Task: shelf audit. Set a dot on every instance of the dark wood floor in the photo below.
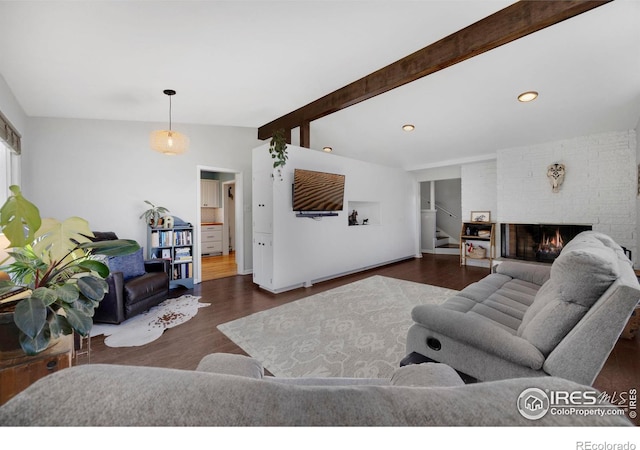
(182, 347)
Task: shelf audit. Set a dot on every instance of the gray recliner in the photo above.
(534, 320)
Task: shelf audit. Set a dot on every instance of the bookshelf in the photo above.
(175, 245)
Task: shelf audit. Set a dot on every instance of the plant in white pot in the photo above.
(56, 261)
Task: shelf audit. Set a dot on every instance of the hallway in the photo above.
(222, 266)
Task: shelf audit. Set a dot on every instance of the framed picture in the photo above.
(480, 216)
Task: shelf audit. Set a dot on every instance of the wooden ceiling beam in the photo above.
(305, 134)
(507, 25)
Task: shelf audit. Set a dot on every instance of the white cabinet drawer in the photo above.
(207, 228)
(211, 236)
(212, 247)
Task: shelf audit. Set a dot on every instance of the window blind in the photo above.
(9, 134)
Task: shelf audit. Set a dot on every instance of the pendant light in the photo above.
(169, 142)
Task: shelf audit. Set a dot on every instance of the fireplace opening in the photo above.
(537, 242)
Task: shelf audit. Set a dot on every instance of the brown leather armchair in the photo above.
(135, 285)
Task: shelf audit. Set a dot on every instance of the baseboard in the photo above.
(284, 289)
(362, 269)
(309, 283)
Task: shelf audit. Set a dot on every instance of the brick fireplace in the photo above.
(537, 242)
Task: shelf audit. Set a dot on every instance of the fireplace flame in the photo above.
(551, 244)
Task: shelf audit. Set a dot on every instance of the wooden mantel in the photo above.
(509, 24)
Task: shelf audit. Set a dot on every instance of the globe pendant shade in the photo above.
(169, 142)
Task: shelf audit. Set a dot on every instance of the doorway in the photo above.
(440, 209)
(220, 223)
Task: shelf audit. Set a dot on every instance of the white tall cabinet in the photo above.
(262, 201)
(263, 260)
(262, 194)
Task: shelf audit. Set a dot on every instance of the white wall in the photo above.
(479, 191)
(437, 173)
(307, 250)
(103, 171)
(600, 186)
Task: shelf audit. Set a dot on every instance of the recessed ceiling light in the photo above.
(408, 127)
(527, 96)
(327, 149)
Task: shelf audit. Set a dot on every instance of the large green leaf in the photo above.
(80, 321)
(115, 247)
(47, 296)
(92, 287)
(95, 266)
(55, 239)
(63, 324)
(85, 305)
(19, 219)
(67, 292)
(58, 325)
(30, 316)
(35, 345)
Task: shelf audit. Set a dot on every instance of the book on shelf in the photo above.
(183, 254)
(166, 253)
(184, 270)
(182, 237)
(161, 238)
(170, 237)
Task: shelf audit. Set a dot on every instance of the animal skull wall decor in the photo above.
(555, 173)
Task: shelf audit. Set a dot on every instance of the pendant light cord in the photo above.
(169, 113)
(169, 93)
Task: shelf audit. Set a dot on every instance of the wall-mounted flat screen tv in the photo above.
(317, 191)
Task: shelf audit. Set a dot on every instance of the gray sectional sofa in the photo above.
(231, 390)
(528, 320)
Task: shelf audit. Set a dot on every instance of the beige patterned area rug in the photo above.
(356, 330)
(149, 325)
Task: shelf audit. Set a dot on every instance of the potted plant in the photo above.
(278, 150)
(56, 261)
(153, 214)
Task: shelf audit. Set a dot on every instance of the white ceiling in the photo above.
(245, 63)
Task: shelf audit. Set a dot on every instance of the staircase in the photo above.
(444, 244)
